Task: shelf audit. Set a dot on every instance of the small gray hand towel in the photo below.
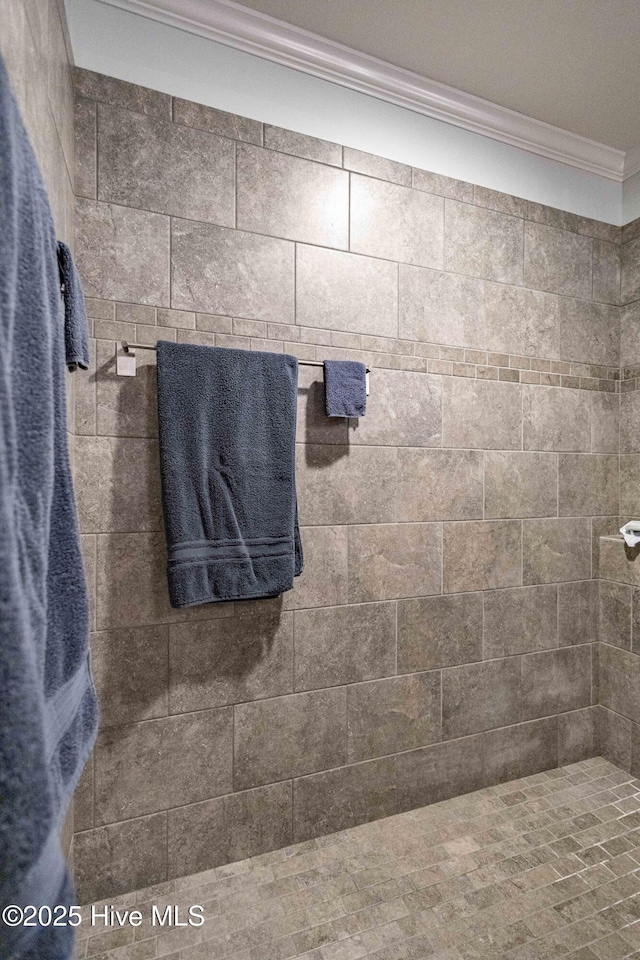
(345, 388)
(76, 334)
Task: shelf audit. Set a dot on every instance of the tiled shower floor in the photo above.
(543, 867)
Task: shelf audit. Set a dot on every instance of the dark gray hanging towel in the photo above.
(227, 423)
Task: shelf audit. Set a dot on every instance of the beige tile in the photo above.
(440, 771)
(387, 561)
(439, 485)
(403, 409)
(556, 550)
(556, 681)
(606, 271)
(481, 414)
(379, 167)
(342, 291)
(391, 715)
(288, 197)
(480, 696)
(216, 121)
(323, 581)
(131, 671)
(520, 484)
(521, 750)
(145, 767)
(396, 223)
(589, 332)
(122, 254)
(442, 186)
(441, 307)
(216, 662)
(98, 86)
(522, 322)
(301, 145)
(556, 419)
(289, 736)
(439, 631)
(520, 620)
(117, 483)
(344, 644)
(482, 555)
(557, 261)
(345, 484)
(587, 485)
(483, 243)
(158, 165)
(229, 272)
(338, 799)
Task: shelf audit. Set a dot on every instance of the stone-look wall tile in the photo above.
(126, 406)
(557, 261)
(441, 307)
(553, 217)
(587, 485)
(480, 696)
(483, 243)
(577, 736)
(216, 121)
(635, 750)
(605, 422)
(589, 332)
(403, 409)
(629, 484)
(630, 231)
(439, 485)
(523, 322)
(482, 555)
(615, 614)
(121, 857)
(620, 681)
(343, 798)
(146, 767)
(619, 563)
(521, 750)
(613, 737)
(83, 799)
(520, 620)
(89, 548)
(98, 86)
(520, 484)
(439, 632)
(438, 772)
(345, 484)
(481, 414)
(442, 186)
(118, 484)
(84, 396)
(629, 420)
(285, 196)
(247, 657)
(157, 165)
(630, 271)
(122, 254)
(599, 230)
(289, 736)
(556, 550)
(503, 202)
(556, 419)
(630, 334)
(556, 681)
(343, 291)
(392, 715)
(302, 145)
(323, 582)
(85, 132)
(396, 223)
(606, 272)
(577, 612)
(379, 167)
(394, 560)
(205, 835)
(229, 272)
(131, 671)
(345, 644)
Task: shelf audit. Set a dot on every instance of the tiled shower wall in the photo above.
(35, 47)
(442, 636)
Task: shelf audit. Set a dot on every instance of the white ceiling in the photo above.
(571, 63)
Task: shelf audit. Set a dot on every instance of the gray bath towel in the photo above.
(345, 388)
(227, 421)
(47, 701)
(76, 333)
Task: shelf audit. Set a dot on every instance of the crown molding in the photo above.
(256, 33)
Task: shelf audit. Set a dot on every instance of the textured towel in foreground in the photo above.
(345, 388)
(76, 332)
(227, 423)
(47, 701)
